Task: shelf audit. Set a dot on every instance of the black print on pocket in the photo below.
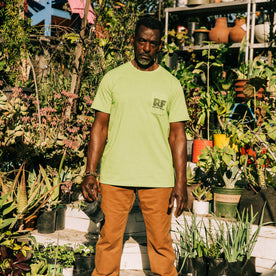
(160, 104)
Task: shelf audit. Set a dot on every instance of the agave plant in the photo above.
(25, 196)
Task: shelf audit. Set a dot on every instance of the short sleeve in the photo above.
(103, 99)
(177, 104)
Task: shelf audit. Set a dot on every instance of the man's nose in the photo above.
(147, 46)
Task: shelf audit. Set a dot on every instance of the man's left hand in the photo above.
(180, 194)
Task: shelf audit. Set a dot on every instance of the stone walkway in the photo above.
(134, 273)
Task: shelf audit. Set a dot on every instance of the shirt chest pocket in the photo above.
(159, 105)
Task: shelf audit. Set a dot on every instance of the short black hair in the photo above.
(149, 22)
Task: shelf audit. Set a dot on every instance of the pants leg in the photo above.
(116, 204)
(154, 206)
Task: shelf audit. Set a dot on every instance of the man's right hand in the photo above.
(89, 188)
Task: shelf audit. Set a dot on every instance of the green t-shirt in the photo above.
(141, 105)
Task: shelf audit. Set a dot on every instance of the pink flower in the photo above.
(57, 96)
(25, 119)
(87, 100)
(73, 129)
(71, 144)
(69, 94)
(16, 90)
(47, 110)
(54, 173)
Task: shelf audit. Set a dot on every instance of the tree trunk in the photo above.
(79, 59)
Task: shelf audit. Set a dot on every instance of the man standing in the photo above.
(139, 133)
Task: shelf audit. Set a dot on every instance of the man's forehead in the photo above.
(143, 31)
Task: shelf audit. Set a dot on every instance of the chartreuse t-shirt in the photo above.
(141, 105)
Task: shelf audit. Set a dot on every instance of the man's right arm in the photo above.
(96, 146)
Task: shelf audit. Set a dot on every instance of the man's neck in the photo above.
(152, 67)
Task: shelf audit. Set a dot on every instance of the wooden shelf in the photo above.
(204, 47)
(214, 8)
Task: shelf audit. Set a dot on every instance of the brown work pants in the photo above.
(116, 205)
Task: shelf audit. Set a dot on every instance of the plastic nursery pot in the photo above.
(198, 146)
(54, 269)
(223, 267)
(190, 150)
(60, 217)
(201, 35)
(67, 271)
(46, 222)
(249, 199)
(192, 266)
(221, 140)
(84, 265)
(226, 201)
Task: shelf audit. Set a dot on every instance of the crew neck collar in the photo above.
(144, 71)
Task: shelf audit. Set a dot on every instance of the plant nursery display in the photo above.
(47, 87)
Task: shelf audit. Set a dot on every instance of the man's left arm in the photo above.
(178, 144)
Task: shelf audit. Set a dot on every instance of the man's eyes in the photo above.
(153, 43)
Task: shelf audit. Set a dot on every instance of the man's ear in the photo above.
(160, 46)
(132, 40)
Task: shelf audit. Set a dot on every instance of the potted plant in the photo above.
(236, 241)
(202, 197)
(252, 78)
(222, 171)
(26, 193)
(60, 258)
(205, 116)
(66, 259)
(191, 247)
(258, 155)
(223, 102)
(84, 259)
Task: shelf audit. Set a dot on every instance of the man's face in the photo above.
(146, 45)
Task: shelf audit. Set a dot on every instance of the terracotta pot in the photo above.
(239, 85)
(237, 33)
(220, 33)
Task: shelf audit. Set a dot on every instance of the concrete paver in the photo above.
(128, 272)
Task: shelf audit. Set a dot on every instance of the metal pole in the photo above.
(166, 25)
(248, 30)
(252, 29)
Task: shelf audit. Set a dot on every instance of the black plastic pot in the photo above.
(257, 201)
(84, 265)
(192, 266)
(190, 150)
(46, 222)
(93, 211)
(201, 35)
(60, 217)
(219, 267)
